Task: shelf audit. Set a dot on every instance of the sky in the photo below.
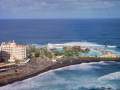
(59, 9)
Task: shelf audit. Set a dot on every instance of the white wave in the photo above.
(103, 63)
(111, 76)
(83, 44)
(91, 44)
(82, 66)
(109, 46)
(87, 66)
(99, 63)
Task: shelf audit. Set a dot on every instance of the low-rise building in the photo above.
(11, 51)
(109, 55)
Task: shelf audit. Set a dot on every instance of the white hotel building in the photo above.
(12, 51)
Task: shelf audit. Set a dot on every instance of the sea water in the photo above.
(102, 31)
(85, 76)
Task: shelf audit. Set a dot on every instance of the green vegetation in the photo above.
(33, 52)
(74, 51)
(109, 58)
(71, 53)
(43, 52)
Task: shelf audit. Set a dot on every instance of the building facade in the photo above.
(11, 51)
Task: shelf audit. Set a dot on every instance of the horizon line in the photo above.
(51, 18)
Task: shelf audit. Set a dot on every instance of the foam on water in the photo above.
(83, 43)
(86, 66)
(111, 76)
(109, 46)
(89, 44)
(83, 66)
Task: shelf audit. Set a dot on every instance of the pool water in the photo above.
(92, 53)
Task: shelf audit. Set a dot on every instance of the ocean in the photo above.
(56, 31)
(85, 76)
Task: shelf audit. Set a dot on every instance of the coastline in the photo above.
(37, 66)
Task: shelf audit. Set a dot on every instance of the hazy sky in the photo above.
(59, 8)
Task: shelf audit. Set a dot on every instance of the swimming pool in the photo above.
(92, 53)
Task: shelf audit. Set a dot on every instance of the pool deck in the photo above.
(39, 65)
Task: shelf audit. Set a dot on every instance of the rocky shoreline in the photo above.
(38, 65)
